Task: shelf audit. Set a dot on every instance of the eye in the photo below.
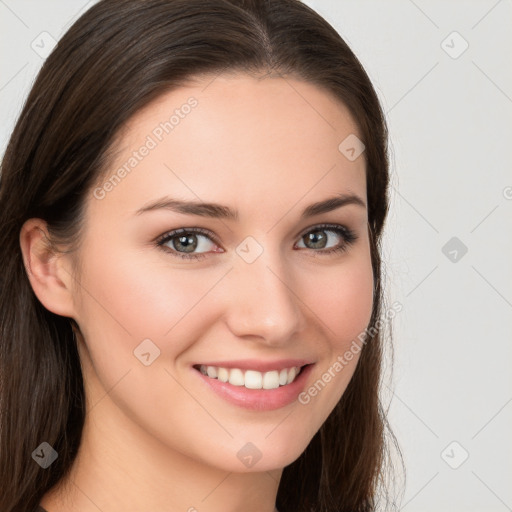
(318, 238)
(184, 241)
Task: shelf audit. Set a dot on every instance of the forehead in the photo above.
(238, 140)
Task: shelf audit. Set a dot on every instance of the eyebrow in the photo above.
(219, 211)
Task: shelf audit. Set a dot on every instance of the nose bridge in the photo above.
(264, 303)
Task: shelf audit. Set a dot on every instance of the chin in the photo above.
(261, 455)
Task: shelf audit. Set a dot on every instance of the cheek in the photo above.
(127, 298)
(128, 301)
(342, 299)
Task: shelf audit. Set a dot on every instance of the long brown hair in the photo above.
(117, 58)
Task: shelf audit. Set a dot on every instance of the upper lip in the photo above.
(258, 364)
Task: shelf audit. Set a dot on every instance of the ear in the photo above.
(50, 279)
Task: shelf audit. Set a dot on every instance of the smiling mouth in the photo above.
(252, 379)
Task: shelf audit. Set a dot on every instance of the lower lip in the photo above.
(258, 399)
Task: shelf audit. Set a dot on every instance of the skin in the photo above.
(155, 438)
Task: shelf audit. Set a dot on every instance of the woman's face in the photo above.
(249, 296)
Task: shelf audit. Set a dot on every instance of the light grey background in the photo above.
(449, 115)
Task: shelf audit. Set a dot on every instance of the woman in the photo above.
(192, 203)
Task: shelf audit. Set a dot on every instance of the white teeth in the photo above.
(271, 380)
(252, 379)
(236, 377)
(291, 375)
(222, 374)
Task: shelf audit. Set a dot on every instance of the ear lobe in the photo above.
(44, 265)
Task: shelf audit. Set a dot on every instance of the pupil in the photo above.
(319, 240)
(184, 240)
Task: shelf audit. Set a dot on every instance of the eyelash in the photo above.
(347, 234)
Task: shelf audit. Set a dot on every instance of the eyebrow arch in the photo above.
(219, 211)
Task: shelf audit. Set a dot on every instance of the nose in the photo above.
(262, 303)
